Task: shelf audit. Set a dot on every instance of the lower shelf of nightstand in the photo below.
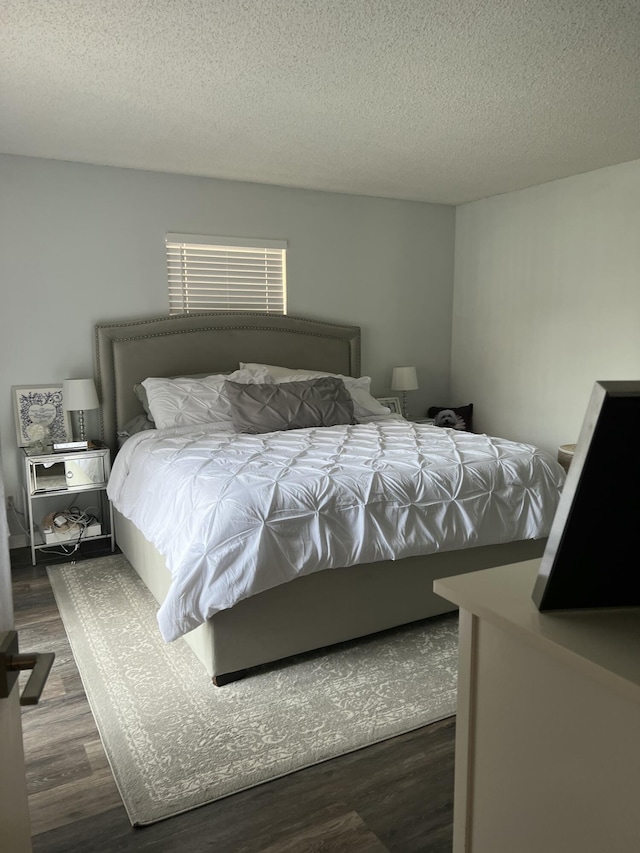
(40, 544)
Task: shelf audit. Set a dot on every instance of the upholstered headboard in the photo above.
(132, 350)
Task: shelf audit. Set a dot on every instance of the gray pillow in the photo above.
(267, 407)
(141, 393)
(138, 423)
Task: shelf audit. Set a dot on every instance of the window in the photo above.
(226, 274)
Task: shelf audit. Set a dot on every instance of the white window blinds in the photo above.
(226, 274)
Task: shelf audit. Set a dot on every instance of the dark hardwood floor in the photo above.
(395, 796)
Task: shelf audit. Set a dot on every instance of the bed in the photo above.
(314, 608)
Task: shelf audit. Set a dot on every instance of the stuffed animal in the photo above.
(448, 418)
(455, 417)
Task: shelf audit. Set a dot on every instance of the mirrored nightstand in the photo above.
(67, 499)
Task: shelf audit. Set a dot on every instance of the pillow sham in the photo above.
(185, 401)
(141, 392)
(269, 407)
(364, 403)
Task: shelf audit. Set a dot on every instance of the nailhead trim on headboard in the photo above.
(108, 335)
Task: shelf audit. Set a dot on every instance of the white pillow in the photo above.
(187, 400)
(363, 403)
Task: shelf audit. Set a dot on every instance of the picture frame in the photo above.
(40, 404)
(392, 402)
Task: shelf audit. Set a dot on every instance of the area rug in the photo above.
(176, 742)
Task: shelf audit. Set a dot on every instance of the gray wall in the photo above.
(81, 244)
(546, 302)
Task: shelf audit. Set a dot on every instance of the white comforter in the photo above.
(234, 515)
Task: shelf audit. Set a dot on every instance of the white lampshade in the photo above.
(79, 395)
(404, 379)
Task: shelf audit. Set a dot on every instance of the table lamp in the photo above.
(78, 395)
(404, 379)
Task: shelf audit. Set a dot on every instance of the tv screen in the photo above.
(591, 557)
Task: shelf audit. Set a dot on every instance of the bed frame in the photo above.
(311, 611)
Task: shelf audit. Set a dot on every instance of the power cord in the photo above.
(67, 520)
(18, 516)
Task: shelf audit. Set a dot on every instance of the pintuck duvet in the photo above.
(236, 514)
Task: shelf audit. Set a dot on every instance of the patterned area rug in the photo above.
(175, 742)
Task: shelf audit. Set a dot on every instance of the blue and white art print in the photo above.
(40, 415)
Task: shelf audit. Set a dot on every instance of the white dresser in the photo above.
(548, 721)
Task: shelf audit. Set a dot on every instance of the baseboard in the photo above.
(18, 540)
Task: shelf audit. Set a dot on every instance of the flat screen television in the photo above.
(592, 556)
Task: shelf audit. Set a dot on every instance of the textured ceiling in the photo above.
(434, 100)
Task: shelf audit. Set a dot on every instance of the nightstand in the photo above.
(56, 482)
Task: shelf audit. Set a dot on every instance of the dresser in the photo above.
(548, 721)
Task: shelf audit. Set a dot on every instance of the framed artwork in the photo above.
(36, 407)
(392, 402)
